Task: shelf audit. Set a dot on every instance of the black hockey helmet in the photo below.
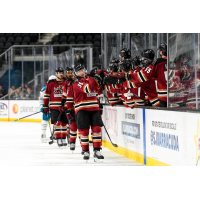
(146, 62)
(78, 67)
(126, 53)
(126, 65)
(163, 47)
(148, 53)
(59, 69)
(114, 60)
(136, 60)
(68, 68)
(114, 66)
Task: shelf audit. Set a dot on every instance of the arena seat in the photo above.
(33, 37)
(9, 35)
(63, 38)
(80, 42)
(80, 38)
(16, 34)
(7, 45)
(16, 43)
(55, 38)
(18, 39)
(71, 38)
(72, 42)
(3, 40)
(88, 42)
(97, 44)
(26, 39)
(10, 39)
(97, 37)
(88, 37)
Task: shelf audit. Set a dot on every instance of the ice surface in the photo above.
(20, 145)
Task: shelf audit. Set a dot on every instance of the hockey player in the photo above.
(127, 89)
(112, 92)
(82, 92)
(45, 118)
(125, 54)
(143, 78)
(52, 97)
(69, 109)
(69, 77)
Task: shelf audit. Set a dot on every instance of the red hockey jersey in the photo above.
(148, 87)
(64, 95)
(113, 97)
(83, 94)
(53, 94)
(157, 71)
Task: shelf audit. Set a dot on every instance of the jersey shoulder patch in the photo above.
(154, 62)
(50, 81)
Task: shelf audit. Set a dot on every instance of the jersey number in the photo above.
(148, 70)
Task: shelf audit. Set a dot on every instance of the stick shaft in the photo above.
(27, 116)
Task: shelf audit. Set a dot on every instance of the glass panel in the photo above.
(151, 42)
(28, 73)
(137, 43)
(182, 71)
(111, 46)
(45, 65)
(39, 62)
(16, 73)
(80, 56)
(4, 77)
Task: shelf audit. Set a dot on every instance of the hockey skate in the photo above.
(59, 142)
(86, 156)
(97, 156)
(72, 147)
(44, 139)
(64, 143)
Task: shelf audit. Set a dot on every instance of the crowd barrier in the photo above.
(11, 110)
(151, 137)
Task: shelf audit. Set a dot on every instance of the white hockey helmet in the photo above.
(52, 77)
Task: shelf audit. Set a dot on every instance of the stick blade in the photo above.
(115, 145)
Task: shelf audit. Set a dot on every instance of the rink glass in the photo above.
(29, 66)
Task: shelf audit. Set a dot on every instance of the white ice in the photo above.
(20, 145)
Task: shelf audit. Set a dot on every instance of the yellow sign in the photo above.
(197, 143)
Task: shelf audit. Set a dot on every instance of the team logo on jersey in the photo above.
(58, 91)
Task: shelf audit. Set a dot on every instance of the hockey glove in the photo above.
(45, 109)
(61, 109)
(69, 115)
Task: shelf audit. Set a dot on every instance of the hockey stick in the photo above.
(115, 145)
(51, 142)
(26, 116)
